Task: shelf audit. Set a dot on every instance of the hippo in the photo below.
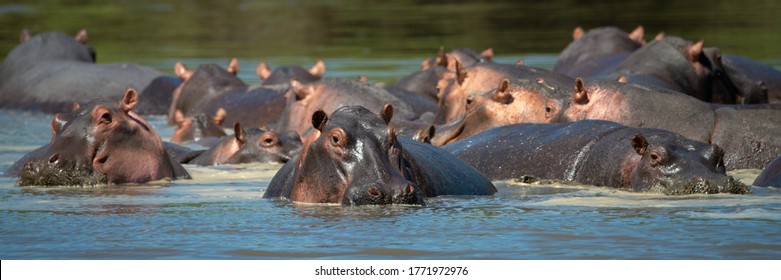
(679, 65)
(749, 136)
(771, 175)
(466, 56)
(103, 142)
(283, 74)
(211, 88)
(769, 77)
(200, 128)
(423, 82)
(598, 51)
(457, 86)
(354, 157)
(49, 71)
(731, 85)
(521, 101)
(329, 94)
(246, 146)
(600, 153)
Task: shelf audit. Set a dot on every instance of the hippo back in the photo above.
(771, 175)
(441, 173)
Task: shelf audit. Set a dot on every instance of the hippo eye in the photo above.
(373, 191)
(337, 138)
(268, 140)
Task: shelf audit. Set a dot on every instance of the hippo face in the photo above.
(732, 86)
(666, 164)
(200, 126)
(353, 158)
(101, 142)
(251, 145)
(465, 56)
(283, 74)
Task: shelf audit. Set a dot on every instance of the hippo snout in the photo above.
(700, 185)
(379, 194)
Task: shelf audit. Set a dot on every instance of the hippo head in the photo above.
(665, 163)
(522, 102)
(732, 86)
(49, 46)
(283, 74)
(252, 145)
(353, 158)
(194, 128)
(100, 142)
(465, 56)
(206, 80)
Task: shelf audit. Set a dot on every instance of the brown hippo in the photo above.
(283, 74)
(771, 175)
(679, 65)
(599, 153)
(480, 78)
(598, 51)
(520, 101)
(769, 77)
(353, 157)
(211, 88)
(198, 128)
(731, 85)
(465, 56)
(103, 142)
(750, 137)
(246, 146)
(51, 70)
(329, 94)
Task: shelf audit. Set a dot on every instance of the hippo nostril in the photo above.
(373, 191)
(409, 189)
(55, 158)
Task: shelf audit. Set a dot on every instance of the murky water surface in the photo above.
(220, 213)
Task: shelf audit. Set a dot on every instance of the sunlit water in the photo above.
(220, 215)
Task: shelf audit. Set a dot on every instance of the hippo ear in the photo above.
(75, 106)
(577, 33)
(263, 71)
(57, 123)
(219, 116)
(301, 90)
(318, 70)
(659, 36)
(519, 62)
(441, 57)
(639, 143)
(581, 95)
(637, 34)
(488, 54)
(179, 118)
(233, 66)
(24, 35)
(622, 79)
(81, 37)
(239, 133)
(502, 94)
(181, 71)
(460, 73)
(363, 79)
(694, 51)
(319, 118)
(387, 113)
(129, 101)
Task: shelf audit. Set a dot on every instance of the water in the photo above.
(220, 213)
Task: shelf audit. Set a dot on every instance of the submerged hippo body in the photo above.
(51, 71)
(599, 153)
(771, 175)
(102, 142)
(246, 146)
(758, 72)
(598, 51)
(353, 157)
(211, 88)
(329, 94)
